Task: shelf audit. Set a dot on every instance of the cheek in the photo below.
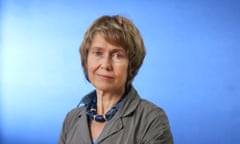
(123, 71)
(90, 64)
(89, 68)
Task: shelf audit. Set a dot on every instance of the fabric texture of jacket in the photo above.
(137, 121)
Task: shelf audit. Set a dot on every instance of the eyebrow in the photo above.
(112, 50)
(118, 50)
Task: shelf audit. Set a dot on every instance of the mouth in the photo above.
(105, 77)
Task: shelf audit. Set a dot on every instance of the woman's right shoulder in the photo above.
(75, 112)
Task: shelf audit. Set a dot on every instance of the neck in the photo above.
(105, 101)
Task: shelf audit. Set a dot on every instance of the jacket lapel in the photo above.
(116, 124)
(111, 128)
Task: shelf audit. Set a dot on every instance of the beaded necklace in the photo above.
(92, 111)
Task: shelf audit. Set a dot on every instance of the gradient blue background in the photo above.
(192, 67)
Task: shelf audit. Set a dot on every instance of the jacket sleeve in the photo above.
(157, 130)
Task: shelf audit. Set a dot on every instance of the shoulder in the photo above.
(155, 126)
(73, 115)
(150, 107)
(141, 107)
(75, 112)
(70, 121)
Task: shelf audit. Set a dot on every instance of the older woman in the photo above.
(112, 52)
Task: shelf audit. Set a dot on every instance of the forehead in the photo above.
(100, 42)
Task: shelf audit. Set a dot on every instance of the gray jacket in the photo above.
(136, 122)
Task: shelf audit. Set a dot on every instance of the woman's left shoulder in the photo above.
(150, 108)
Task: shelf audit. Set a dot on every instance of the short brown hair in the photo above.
(118, 31)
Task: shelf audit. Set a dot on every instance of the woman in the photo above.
(112, 52)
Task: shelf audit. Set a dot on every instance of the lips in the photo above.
(105, 77)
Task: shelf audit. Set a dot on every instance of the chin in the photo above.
(104, 87)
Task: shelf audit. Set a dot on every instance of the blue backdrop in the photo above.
(192, 68)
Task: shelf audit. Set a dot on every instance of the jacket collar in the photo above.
(130, 102)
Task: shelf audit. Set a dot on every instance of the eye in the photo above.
(118, 55)
(98, 53)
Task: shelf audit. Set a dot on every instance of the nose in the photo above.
(106, 63)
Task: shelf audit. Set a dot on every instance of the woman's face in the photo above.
(107, 65)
